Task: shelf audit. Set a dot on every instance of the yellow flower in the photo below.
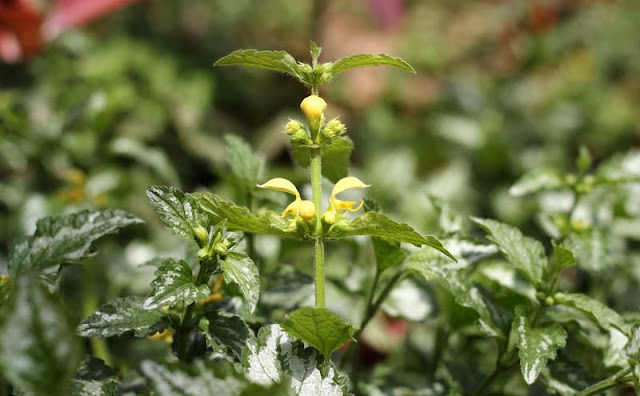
(303, 208)
(344, 184)
(313, 106)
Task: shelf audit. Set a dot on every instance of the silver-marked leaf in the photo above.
(632, 349)
(179, 211)
(524, 253)
(120, 316)
(335, 156)
(621, 168)
(38, 351)
(604, 316)
(240, 218)
(536, 345)
(240, 269)
(319, 328)
(378, 225)
(94, 378)
(279, 61)
(225, 331)
(590, 249)
(174, 284)
(538, 180)
(243, 162)
(361, 60)
(66, 239)
(566, 378)
(273, 357)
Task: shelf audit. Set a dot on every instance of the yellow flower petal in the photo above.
(292, 208)
(313, 106)
(344, 184)
(280, 184)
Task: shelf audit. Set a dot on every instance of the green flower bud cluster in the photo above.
(334, 128)
(211, 245)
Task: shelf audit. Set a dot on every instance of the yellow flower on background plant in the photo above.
(303, 208)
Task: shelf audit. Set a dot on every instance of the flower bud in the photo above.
(313, 107)
(202, 236)
(307, 210)
(204, 254)
(329, 217)
(220, 248)
(294, 128)
(334, 128)
(549, 301)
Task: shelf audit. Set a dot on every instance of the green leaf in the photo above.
(604, 316)
(566, 378)
(562, 258)
(319, 328)
(361, 60)
(94, 378)
(38, 352)
(538, 180)
(524, 253)
(244, 163)
(335, 156)
(225, 331)
(66, 239)
(590, 248)
(174, 285)
(632, 349)
(378, 225)
(536, 345)
(388, 254)
(584, 160)
(279, 61)
(636, 378)
(240, 218)
(173, 380)
(621, 168)
(122, 315)
(239, 268)
(153, 158)
(273, 357)
(179, 211)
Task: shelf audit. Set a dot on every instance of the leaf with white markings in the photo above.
(120, 316)
(225, 331)
(179, 211)
(538, 180)
(524, 253)
(590, 248)
(38, 352)
(240, 269)
(174, 285)
(536, 345)
(604, 316)
(66, 239)
(94, 378)
(319, 328)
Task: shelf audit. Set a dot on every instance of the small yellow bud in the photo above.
(549, 301)
(558, 297)
(220, 248)
(202, 236)
(307, 210)
(329, 217)
(313, 106)
(294, 127)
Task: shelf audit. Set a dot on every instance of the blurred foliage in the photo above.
(502, 89)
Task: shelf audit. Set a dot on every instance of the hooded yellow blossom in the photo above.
(344, 184)
(303, 208)
(313, 106)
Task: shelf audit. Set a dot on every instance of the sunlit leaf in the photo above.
(240, 269)
(174, 284)
(179, 211)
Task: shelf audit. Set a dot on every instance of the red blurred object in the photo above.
(24, 29)
(542, 17)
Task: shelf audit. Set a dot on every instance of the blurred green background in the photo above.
(131, 100)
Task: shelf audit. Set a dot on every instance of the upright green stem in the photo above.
(316, 186)
(182, 333)
(99, 346)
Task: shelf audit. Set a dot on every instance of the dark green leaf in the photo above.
(378, 225)
(239, 268)
(66, 239)
(174, 285)
(335, 155)
(225, 331)
(38, 352)
(179, 211)
(562, 258)
(244, 163)
(567, 378)
(604, 316)
(361, 60)
(94, 378)
(319, 328)
(388, 254)
(536, 345)
(241, 219)
(122, 315)
(524, 253)
(538, 180)
(280, 61)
